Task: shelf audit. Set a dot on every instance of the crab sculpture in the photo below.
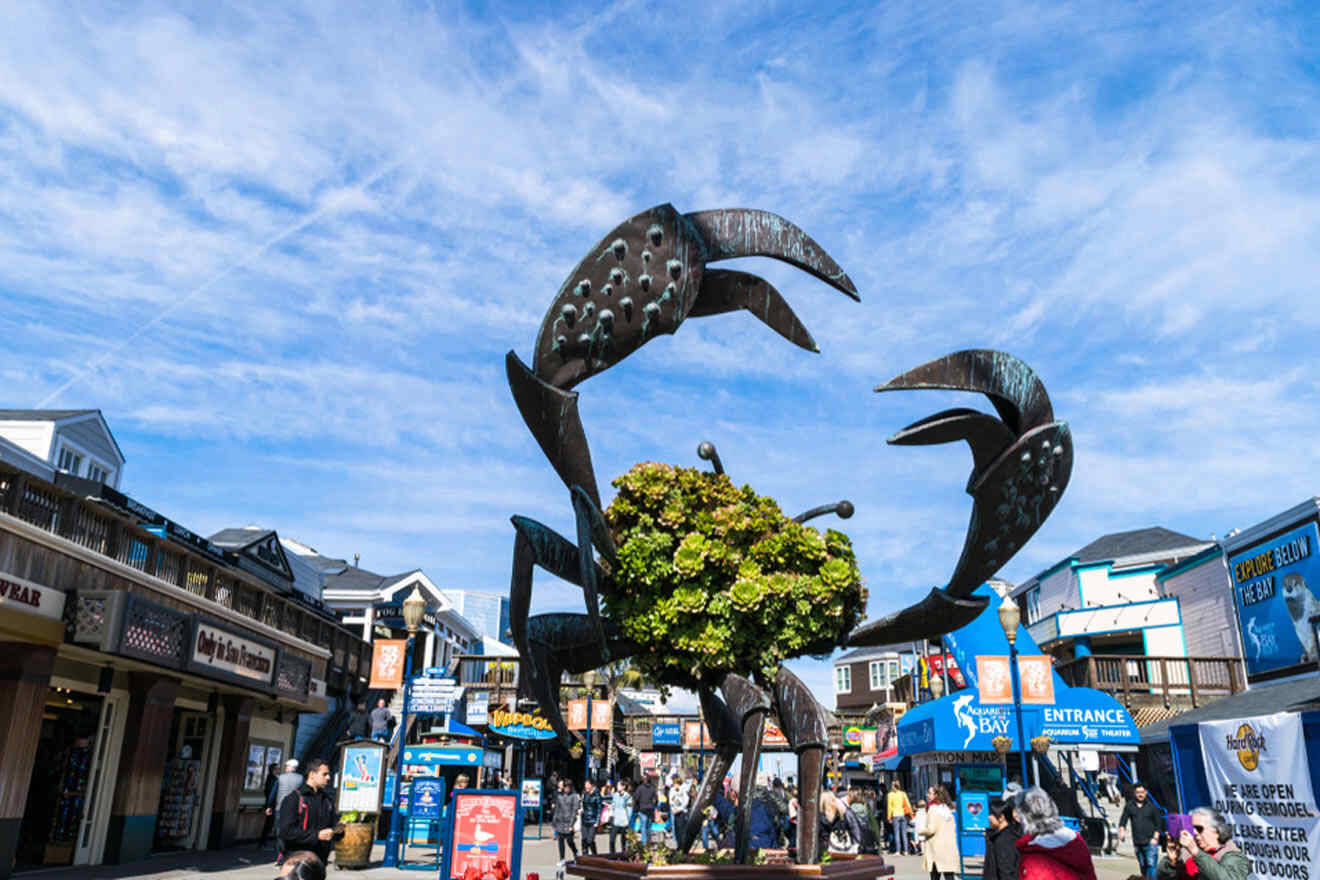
(642, 280)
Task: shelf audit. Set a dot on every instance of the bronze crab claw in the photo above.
(1021, 464)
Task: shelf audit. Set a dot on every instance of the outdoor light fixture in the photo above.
(413, 609)
(1009, 618)
(936, 687)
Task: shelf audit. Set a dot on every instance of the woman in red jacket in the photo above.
(1048, 849)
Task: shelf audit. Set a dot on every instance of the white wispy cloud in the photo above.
(298, 240)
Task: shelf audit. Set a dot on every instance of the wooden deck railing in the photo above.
(1201, 678)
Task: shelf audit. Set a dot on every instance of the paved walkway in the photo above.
(539, 856)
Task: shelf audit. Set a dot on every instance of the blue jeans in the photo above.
(709, 836)
(382, 735)
(645, 830)
(1148, 857)
(901, 844)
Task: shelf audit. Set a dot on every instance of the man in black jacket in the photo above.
(1144, 818)
(644, 802)
(359, 725)
(1001, 854)
(307, 817)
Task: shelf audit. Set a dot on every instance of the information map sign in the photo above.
(427, 798)
(484, 829)
(361, 770)
(1260, 781)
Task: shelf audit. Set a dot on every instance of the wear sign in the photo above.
(1260, 780)
(483, 830)
(27, 596)
(387, 664)
(1274, 586)
(215, 648)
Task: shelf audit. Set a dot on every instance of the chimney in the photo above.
(356, 557)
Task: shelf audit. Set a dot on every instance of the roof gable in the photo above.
(261, 546)
(1138, 542)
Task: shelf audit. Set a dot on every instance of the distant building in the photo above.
(260, 551)
(489, 612)
(68, 441)
(866, 677)
(374, 602)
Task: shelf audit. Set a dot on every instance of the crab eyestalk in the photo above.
(843, 508)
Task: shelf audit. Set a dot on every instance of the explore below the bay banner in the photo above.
(520, 725)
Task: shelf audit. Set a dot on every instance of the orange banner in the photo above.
(1036, 678)
(577, 714)
(692, 736)
(993, 680)
(387, 664)
(868, 740)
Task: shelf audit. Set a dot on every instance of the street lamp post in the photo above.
(414, 607)
(1009, 618)
(587, 774)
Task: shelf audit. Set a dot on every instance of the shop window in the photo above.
(96, 473)
(264, 757)
(843, 679)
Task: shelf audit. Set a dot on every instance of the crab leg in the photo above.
(562, 643)
(806, 731)
(728, 740)
(749, 705)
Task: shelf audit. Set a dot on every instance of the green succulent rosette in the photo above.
(713, 579)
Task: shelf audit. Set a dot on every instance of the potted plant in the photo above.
(353, 838)
(1040, 744)
(1002, 744)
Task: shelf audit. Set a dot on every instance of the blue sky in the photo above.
(285, 251)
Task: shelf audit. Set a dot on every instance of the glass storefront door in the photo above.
(182, 784)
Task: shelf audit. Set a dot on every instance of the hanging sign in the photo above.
(994, 681)
(478, 708)
(387, 664)
(520, 725)
(694, 737)
(1036, 679)
(430, 756)
(361, 766)
(485, 834)
(1259, 779)
(868, 740)
(1274, 586)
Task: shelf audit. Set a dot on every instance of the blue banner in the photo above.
(666, 734)
(1274, 585)
(466, 756)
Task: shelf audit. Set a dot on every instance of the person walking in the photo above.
(1143, 817)
(567, 806)
(644, 804)
(918, 826)
(939, 856)
(271, 788)
(1001, 855)
(381, 719)
(898, 810)
(1048, 849)
(288, 782)
(621, 813)
(680, 799)
(308, 816)
(1207, 854)
(359, 723)
(591, 803)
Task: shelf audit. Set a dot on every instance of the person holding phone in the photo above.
(1207, 852)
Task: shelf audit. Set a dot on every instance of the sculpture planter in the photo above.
(840, 867)
(353, 850)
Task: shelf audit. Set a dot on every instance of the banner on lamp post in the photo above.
(1259, 779)
(1036, 679)
(387, 664)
